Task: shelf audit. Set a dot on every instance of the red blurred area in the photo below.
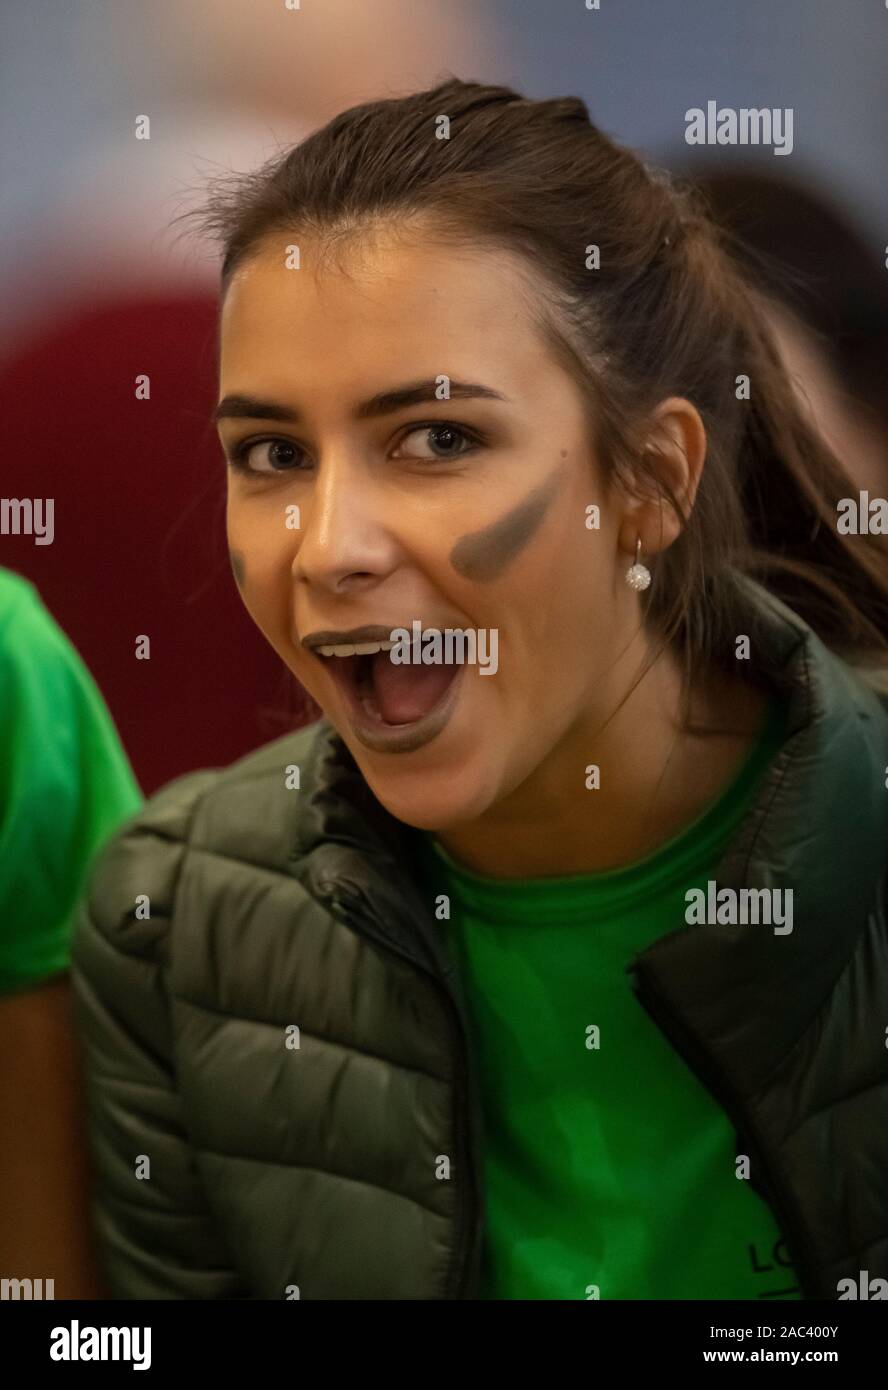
(139, 545)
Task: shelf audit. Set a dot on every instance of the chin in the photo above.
(423, 813)
(430, 799)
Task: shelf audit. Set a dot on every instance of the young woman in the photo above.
(552, 965)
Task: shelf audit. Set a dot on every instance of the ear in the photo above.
(674, 452)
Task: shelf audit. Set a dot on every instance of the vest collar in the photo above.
(743, 995)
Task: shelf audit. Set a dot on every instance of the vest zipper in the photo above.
(346, 900)
(769, 1189)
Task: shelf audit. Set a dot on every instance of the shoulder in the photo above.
(248, 812)
(55, 723)
(16, 592)
(23, 613)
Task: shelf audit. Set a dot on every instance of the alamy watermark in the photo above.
(458, 646)
(28, 516)
(26, 1289)
(862, 515)
(743, 125)
(733, 907)
(875, 1289)
(76, 1343)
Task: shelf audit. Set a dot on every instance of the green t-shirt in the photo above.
(65, 785)
(608, 1166)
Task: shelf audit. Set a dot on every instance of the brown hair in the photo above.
(668, 312)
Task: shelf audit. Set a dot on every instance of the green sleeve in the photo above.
(65, 785)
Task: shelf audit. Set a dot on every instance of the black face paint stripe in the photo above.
(484, 555)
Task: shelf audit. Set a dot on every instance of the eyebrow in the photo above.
(238, 407)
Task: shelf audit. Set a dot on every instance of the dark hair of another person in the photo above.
(813, 261)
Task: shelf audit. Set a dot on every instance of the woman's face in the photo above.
(374, 501)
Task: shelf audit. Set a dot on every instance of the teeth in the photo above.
(357, 649)
(371, 648)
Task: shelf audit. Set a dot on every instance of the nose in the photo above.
(345, 540)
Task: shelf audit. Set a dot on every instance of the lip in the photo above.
(393, 738)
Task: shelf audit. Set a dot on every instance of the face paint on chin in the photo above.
(484, 555)
(238, 567)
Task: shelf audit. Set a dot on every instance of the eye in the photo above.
(266, 456)
(442, 437)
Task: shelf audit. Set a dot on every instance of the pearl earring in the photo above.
(638, 576)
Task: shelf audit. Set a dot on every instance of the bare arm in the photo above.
(45, 1229)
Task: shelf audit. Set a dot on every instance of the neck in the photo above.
(655, 775)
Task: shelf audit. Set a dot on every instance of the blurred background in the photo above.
(96, 288)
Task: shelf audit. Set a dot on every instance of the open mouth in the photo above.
(386, 693)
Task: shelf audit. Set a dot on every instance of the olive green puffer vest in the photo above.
(276, 1045)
